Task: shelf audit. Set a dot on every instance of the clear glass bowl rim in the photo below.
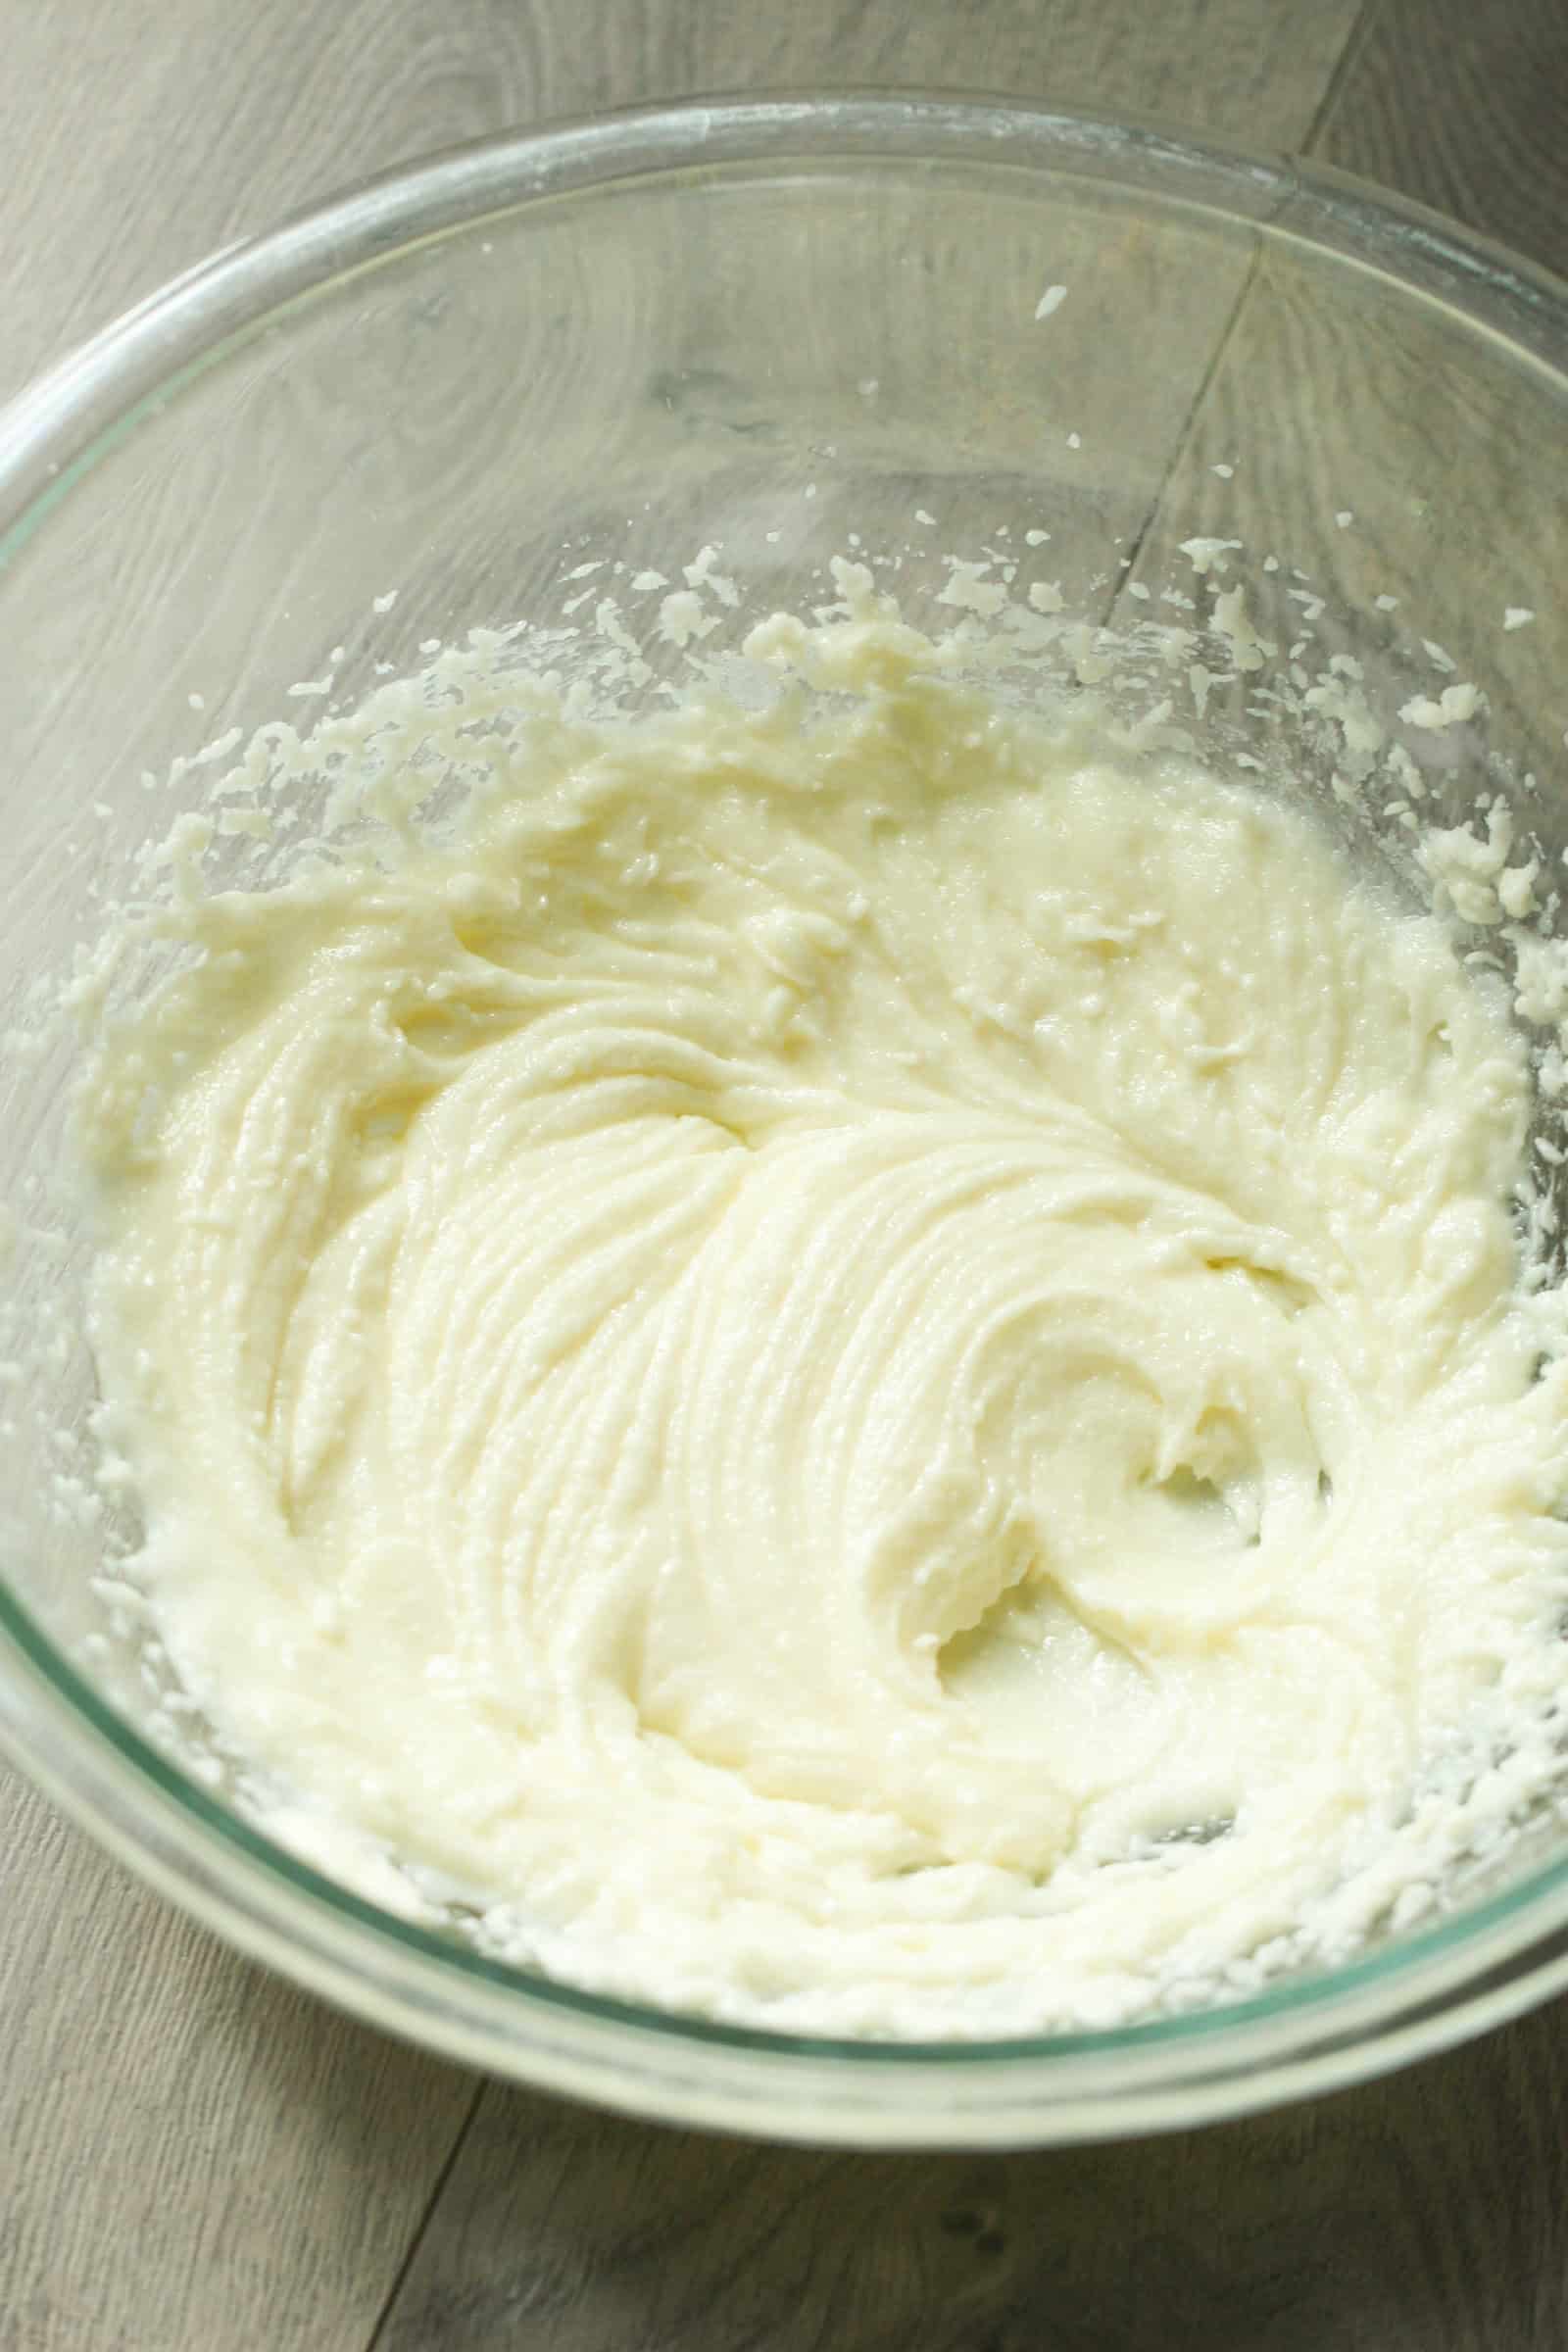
(1470, 1971)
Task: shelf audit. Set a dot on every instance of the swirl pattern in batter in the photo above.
(866, 1371)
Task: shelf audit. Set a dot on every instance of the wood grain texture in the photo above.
(139, 137)
(1421, 2215)
(190, 2154)
(1465, 106)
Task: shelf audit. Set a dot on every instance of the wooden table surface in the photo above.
(192, 2156)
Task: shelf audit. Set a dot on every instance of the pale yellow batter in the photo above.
(868, 1374)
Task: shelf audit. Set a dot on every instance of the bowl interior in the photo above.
(511, 387)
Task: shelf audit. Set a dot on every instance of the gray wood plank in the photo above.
(1421, 2215)
(139, 137)
(1466, 107)
(190, 2153)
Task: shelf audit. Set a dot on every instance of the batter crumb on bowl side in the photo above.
(874, 1352)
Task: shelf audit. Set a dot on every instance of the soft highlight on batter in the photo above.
(863, 1369)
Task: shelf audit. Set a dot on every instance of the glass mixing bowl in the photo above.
(763, 325)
